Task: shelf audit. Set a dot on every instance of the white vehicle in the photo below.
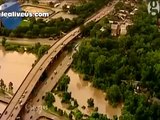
(20, 101)
(16, 107)
(56, 5)
(11, 115)
(26, 91)
(55, 72)
(23, 96)
(21, 104)
(18, 118)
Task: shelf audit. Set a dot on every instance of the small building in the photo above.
(115, 29)
(111, 22)
(123, 29)
(102, 29)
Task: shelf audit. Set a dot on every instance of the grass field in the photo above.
(25, 23)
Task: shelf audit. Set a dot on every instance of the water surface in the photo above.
(82, 91)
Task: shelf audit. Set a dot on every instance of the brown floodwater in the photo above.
(82, 90)
(14, 67)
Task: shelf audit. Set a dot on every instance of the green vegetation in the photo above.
(66, 96)
(134, 57)
(25, 23)
(39, 28)
(57, 112)
(3, 41)
(49, 99)
(97, 116)
(114, 94)
(1, 2)
(101, 29)
(90, 102)
(63, 84)
(87, 7)
(55, 27)
(37, 49)
(4, 89)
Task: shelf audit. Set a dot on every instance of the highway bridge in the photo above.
(25, 89)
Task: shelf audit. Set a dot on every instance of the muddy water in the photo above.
(14, 67)
(82, 90)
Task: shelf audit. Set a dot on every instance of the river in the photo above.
(14, 67)
(82, 90)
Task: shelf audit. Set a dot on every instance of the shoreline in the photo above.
(28, 41)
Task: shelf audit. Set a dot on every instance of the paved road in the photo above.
(34, 75)
(47, 87)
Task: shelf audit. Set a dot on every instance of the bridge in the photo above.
(20, 97)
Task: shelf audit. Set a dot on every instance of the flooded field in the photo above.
(14, 67)
(82, 90)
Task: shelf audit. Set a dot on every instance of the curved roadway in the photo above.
(33, 76)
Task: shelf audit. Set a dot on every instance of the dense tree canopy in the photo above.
(40, 28)
(134, 57)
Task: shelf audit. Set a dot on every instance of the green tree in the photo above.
(49, 99)
(114, 95)
(78, 115)
(63, 84)
(42, 50)
(1, 2)
(100, 66)
(66, 97)
(4, 41)
(90, 102)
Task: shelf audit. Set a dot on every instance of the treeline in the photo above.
(55, 27)
(108, 61)
(87, 8)
(37, 49)
(1, 2)
(41, 28)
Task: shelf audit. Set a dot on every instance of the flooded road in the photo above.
(82, 91)
(14, 67)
